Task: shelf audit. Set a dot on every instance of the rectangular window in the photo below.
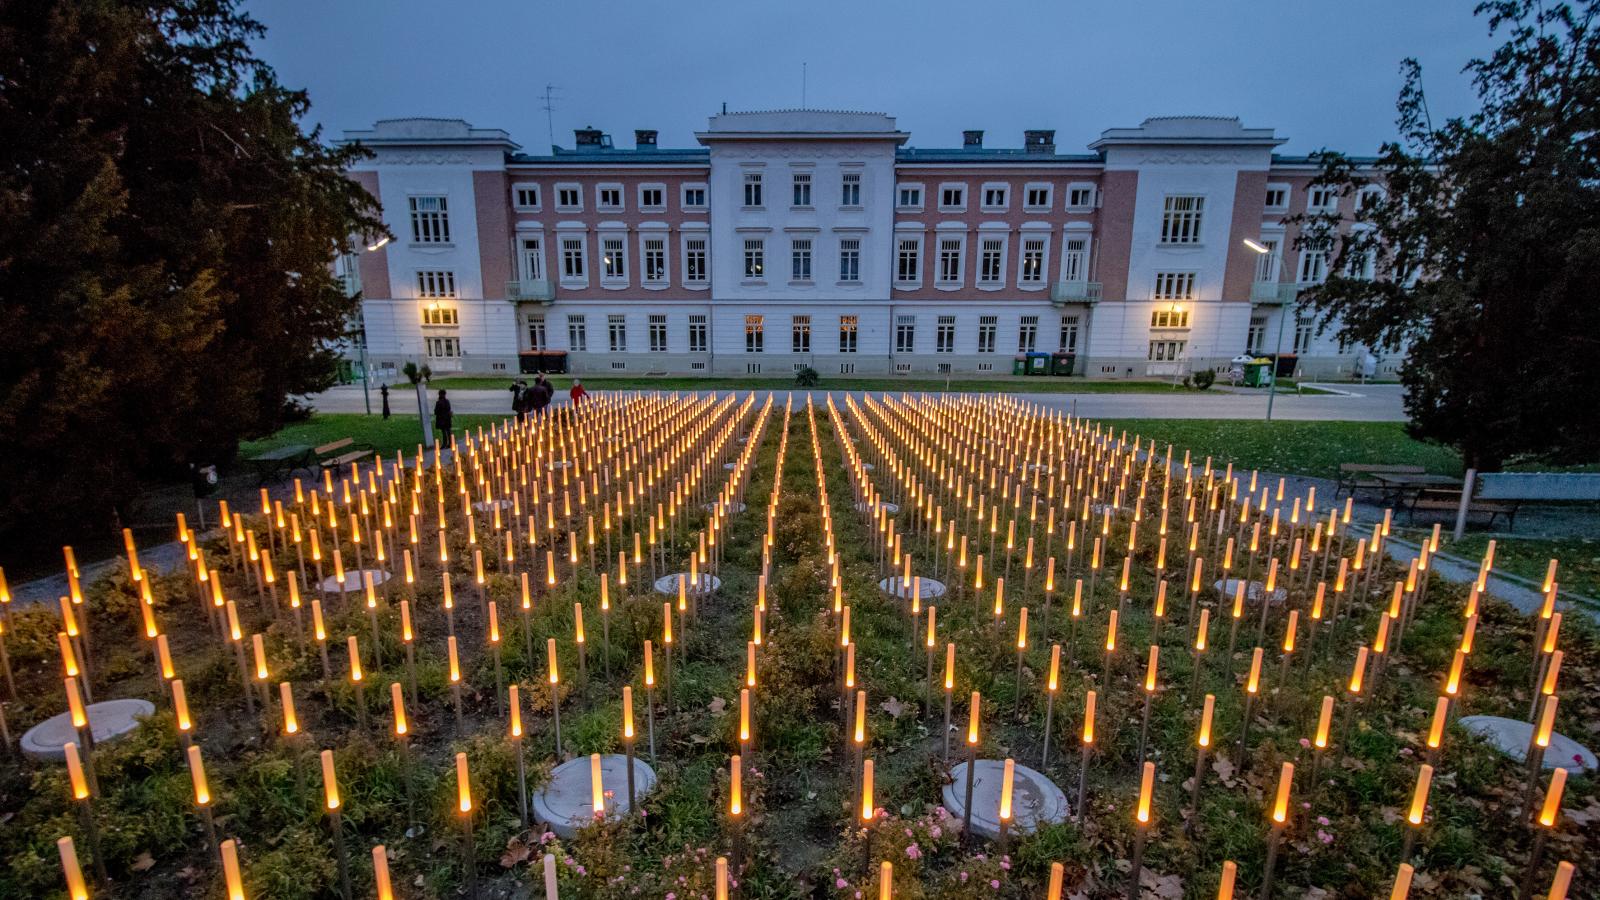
(652, 196)
(1068, 342)
(754, 339)
(525, 196)
(1027, 334)
(614, 263)
(1321, 200)
(1313, 266)
(1173, 286)
(952, 197)
(847, 334)
(801, 334)
(569, 198)
(577, 333)
(754, 258)
(1033, 261)
(1037, 197)
(434, 314)
(1359, 264)
(655, 260)
(694, 197)
(1080, 197)
(991, 261)
(617, 333)
(443, 347)
(572, 259)
(1267, 263)
(430, 220)
(658, 333)
(905, 334)
(532, 260)
(1166, 351)
(800, 259)
(910, 197)
(945, 336)
(1181, 219)
(537, 338)
(802, 189)
(950, 260)
(698, 337)
(987, 326)
(436, 285)
(694, 260)
(752, 189)
(1277, 196)
(908, 261)
(610, 196)
(850, 189)
(1075, 260)
(850, 260)
(1256, 337)
(994, 197)
(1305, 329)
(1169, 318)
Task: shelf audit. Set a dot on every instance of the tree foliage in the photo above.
(1475, 245)
(166, 236)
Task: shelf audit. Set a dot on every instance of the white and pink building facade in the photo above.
(796, 238)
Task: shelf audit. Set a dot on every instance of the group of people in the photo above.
(525, 398)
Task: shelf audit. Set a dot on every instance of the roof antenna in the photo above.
(549, 120)
(802, 85)
(724, 107)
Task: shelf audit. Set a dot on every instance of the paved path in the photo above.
(1356, 403)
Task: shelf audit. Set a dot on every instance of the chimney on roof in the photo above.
(591, 138)
(972, 140)
(644, 138)
(1039, 141)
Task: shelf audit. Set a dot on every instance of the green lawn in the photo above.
(1296, 448)
(385, 436)
(1004, 384)
(1578, 572)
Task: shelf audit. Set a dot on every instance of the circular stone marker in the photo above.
(895, 586)
(1253, 591)
(488, 505)
(730, 466)
(733, 508)
(560, 463)
(353, 581)
(890, 508)
(108, 721)
(1034, 798)
(868, 466)
(668, 584)
(1512, 737)
(566, 804)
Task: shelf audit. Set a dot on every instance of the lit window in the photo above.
(1169, 318)
(801, 334)
(754, 339)
(847, 334)
(754, 258)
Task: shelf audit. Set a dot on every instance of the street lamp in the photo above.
(1277, 350)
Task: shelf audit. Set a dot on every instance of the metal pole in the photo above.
(1272, 383)
(1466, 502)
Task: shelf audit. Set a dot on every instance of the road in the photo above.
(1355, 403)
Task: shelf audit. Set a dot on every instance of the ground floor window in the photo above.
(658, 333)
(443, 347)
(698, 333)
(754, 335)
(1166, 351)
(1069, 334)
(537, 339)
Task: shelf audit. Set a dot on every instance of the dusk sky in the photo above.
(1321, 74)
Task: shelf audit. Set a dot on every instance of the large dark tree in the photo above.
(166, 234)
(1484, 246)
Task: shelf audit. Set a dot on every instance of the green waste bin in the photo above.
(1019, 366)
(1062, 363)
(1257, 374)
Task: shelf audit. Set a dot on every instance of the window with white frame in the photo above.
(1027, 334)
(694, 196)
(613, 259)
(1075, 259)
(1267, 263)
(531, 261)
(752, 189)
(1256, 336)
(987, 326)
(801, 186)
(850, 260)
(755, 262)
(655, 260)
(1068, 342)
(430, 219)
(569, 198)
(1036, 198)
(572, 259)
(1360, 263)
(1277, 197)
(944, 337)
(1313, 265)
(1181, 217)
(537, 337)
(847, 333)
(800, 259)
(617, 332)
(1032, 261)
(1369, 197)
(1080, 196)
(950, 260)
(436, 284)
(525, 197)
(1173, 286)
(850, 189)
(443, 347)
(1169, 318)
(905, 334)
(952, 197)
(754, 339)
(699, 334)
(991, 260)
(608, 197)
(996, 197)
(1166, 351)
(1305, 330)
(436, 315)
(694, 260)
(652, 197)
(577, 333)
(908, 260)
(658, 333)
(908, 197)
(800, 334)
(1321, 200)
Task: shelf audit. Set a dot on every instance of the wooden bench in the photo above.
(1448, 501)
(341, 453)
(1360, 476)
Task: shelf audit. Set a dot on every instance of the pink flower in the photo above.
(1305, 743)
(840, 883)
(994, 884)
(547, 837)
(963, 878)
(1323, 820)
(935, 832)
(1005, 864)
(1324, 837)
(1405, 751)
(914, 852)
(671, 896)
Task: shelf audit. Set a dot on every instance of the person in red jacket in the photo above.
(577, 393)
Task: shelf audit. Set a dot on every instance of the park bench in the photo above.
(1447, 501)
(341, 453)
(1365, 476)
(1501, 494)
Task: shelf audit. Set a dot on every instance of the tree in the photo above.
(1475, 245)
(167, 231)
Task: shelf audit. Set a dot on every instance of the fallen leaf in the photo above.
(516, 852)
(893, 707)
(1167, 887)
(143, 862)
(1224, 770)
(717, 705)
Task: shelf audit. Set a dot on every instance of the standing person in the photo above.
(537, 399)
(577, 393)
(384, 391)
(441, 419)
(519, 403)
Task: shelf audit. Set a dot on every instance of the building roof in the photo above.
(424, 131)
(992, 156)
(612, 156)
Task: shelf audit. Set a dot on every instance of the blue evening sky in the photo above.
(1323, 74)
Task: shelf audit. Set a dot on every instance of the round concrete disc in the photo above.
(108, 721)
(1511, 737)
(353, 581)
(733, 508)
(894, 586)
(1034, 798)
(668, 584)
(890, 508)
(1253, 591)
(566, 804)
(489, 505)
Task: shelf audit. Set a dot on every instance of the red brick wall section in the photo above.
(1115, 237)
(1250, 191)
(374, 266)
(492, 200)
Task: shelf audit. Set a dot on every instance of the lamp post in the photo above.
(1283, 315)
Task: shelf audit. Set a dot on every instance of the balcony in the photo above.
(529, 291)
(1275, 293)
(1075, 292)
(349, 283)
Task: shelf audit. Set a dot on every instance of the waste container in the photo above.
(1256, 373)
(1062, 363)
(1287, 362)
(1038, 363)
(1019, 365)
